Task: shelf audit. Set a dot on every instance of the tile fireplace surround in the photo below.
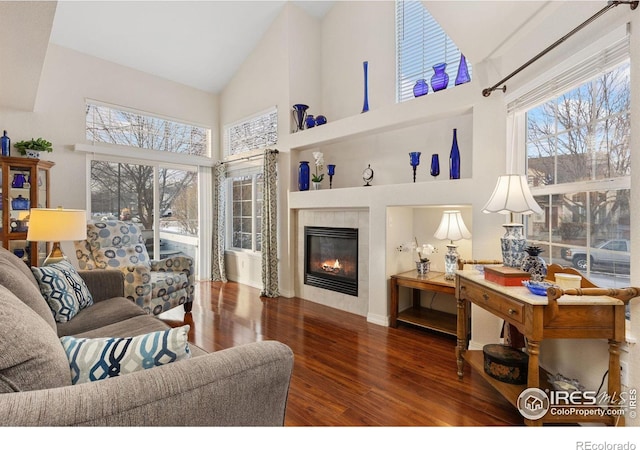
(347, 218)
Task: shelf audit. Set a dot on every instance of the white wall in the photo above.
(68, 79)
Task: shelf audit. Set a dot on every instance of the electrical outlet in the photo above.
(624, 373)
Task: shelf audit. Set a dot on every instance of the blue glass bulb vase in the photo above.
(420, 88)
(440, 79)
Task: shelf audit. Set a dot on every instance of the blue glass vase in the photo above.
(331, 170)
(6, 144)
(454, 158)
(414, 160)
(365, 66)
(303, 176)
(420, 88)
(463, 71)
(435, 165)
(299, 115)
(440, 79)
(310, 121)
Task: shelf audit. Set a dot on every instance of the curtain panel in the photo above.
(218, 222)
(270, 226)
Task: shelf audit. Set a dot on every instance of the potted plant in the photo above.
(33, 147)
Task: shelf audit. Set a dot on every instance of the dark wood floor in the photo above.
(348, 372)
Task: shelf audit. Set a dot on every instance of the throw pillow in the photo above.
(63, 288)
(100, 358)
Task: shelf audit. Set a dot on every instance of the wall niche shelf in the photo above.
(431, 107)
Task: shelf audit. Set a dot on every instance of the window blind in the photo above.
(615, 52)
(420, 44)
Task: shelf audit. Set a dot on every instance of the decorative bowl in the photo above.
(538, 287)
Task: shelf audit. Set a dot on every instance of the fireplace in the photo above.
(331, 259)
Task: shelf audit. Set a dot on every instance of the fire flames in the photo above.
(333, 267)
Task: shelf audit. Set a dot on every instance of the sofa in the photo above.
(241, 386)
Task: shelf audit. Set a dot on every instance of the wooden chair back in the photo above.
(552, 269)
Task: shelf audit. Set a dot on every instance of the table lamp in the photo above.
(56, 225)
(512, 195)
(452, 228)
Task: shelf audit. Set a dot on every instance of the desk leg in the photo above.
(613, 386)
(463, 335)
(393, 319)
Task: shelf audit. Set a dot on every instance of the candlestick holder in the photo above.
(331, 170)
(414, 160)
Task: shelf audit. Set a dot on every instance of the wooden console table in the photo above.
(417, 315)
(561, 314)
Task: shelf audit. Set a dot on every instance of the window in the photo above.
(259, 131)
(421, 44)
(113, 125)
(578, 162)
(246, 212)
(160, 196)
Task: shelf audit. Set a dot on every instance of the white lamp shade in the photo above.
(452, 227)
(512, 195)
(56, 225)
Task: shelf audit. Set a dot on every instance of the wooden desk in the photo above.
(537, 318)
(417, 315)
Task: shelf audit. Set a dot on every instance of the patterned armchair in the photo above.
(155, 286)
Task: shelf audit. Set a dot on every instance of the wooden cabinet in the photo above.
(588, 313)
(418, 315)
(24, 184)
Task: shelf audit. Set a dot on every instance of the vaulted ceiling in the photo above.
(203, 43)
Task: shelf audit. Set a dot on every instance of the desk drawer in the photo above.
(493, 302)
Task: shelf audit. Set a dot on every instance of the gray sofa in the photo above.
(242, 386)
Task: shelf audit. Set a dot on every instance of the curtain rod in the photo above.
(247, 158)
(610, 5)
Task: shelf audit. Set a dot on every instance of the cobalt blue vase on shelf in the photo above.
(299, 115)
(365, 66)
(6, 144)
(463, 71)
(310, 121)
(435, 165)
(414, 160)
(420, 88)
(331, 170)
(454, 158)
(440, 79)
(303, 176)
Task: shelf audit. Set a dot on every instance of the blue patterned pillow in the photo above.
(63, 288)
(100, 358)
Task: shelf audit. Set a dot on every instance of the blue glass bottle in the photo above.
(303, 176)
(6, 144)
(454, 158)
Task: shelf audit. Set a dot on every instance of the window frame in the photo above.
(256, 207)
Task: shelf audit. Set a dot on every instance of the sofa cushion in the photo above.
(31, 356)
(105, 312)
(100, 358)
(26, 289)
(64, 289)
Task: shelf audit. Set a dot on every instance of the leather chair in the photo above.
(154, 285)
